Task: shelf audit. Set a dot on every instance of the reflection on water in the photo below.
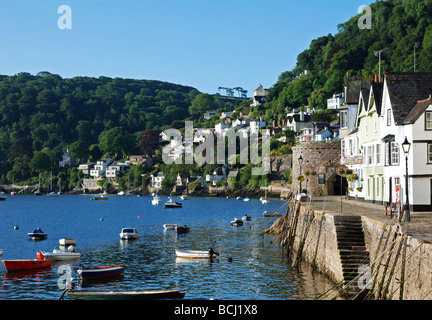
(250, 265)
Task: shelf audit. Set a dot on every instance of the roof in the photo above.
(418, 110)
(377, 91)
(405, 89)
(353, 88)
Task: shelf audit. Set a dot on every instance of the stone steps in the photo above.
(352, 249)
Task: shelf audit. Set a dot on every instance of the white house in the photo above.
(336, 101)
(156, 180)
(100, 168)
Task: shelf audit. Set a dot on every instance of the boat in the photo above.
(52, 193)
(185, 195)
(237, 222)
(156, 200)
(246, 199)
(182, 229)
(121, 193)
(171, 204)
(2, 196)
(197, 254)
(238, 198)
(126, 295)
(129, 234)
(37, 234)
(246, 218)
(272, 214)
(101, 271)
(265, 200)
(62, 255)
(38, 192)
(27, 264)
(169, 226)
(67, 241)
(1, 252)
(100, 197)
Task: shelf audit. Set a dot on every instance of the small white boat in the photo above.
(238, 198)
(246, 199)
(2, 196)
(237, 222)
(265, 201)
(52, 194)
(100, 197)
(168, 226)
(185, 195)
(156, 200)
(171, 204)
(58, 254)
(246, 218)
(1, 252)
(67, 241)
(197, 254)
(121, 193)
(129, 234)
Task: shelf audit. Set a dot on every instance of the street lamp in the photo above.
(406, 148)
(300, 161)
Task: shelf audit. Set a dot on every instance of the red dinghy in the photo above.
(27, 264)
(101, 271)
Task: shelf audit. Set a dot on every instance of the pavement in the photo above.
(419, 226)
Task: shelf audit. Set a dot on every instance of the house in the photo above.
(100, 167)
(226, 114)
(308, 132)
(219, 174)
(112, 169)
(256, 125)
(67, 160)
(156, 180)
(336, 101)
(86, 167)
(232, 174)
(297, 120)
(137, 159)
(199, 179)
(209, 114)
(259, 96)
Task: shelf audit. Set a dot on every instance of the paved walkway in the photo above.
(419, 227)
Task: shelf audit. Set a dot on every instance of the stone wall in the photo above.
(324, 158)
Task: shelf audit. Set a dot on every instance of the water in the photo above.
(258, 270)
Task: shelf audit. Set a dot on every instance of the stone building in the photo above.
(321, 160)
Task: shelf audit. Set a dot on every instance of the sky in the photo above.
(200, 43)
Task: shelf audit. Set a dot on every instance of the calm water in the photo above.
(259, 268)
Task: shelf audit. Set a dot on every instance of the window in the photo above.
(387, 153)
(394, 153)
(428, 120)
(429, 153)
(389, 117)
(343, 119)
(350, 147)
(378, 154)
(378, 188)
(343, 148)
(369, 155)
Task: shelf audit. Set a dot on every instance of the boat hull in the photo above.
(101, 272)
(127, 295)
(26, 264)
(61, 256)
(195, 254)
(67, 242)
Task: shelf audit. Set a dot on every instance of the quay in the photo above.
(368, 254)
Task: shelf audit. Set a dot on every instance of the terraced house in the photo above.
(399, 107)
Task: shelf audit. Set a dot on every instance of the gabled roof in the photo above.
(405, 89)
(377, 91)
(353, 88)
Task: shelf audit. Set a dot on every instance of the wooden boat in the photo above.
(129, 234)
(171, 204)
(62, 255)
(127, 295)
(67, 241)
(37, 234)
(272, 214)
(101, 271)
(237, 222)
(100, 197)
(196, 254)
(182, 229)
(169, 226)
(27, 264)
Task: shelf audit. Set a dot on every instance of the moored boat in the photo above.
(171, 204)
(246, 199)
(129, 234)
(101, 271)
(100, 197)
(272, 214)
(37, 234)
(27, 264)
(127, 295)
(2, 196)
(62, 255)
(246, 218)
(185, 195)
(169, 226)
(197, 254)
(156, 200)
(237, 222)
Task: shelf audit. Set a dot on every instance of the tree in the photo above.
(40, 162)
(202, 103)
(116, 141)
(149, 142)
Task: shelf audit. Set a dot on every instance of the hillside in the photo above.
(396, 26)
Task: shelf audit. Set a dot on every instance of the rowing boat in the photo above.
(101, 271)
(127, 295)
(196, 254)
(27, 264)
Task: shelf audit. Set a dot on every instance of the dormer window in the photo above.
(428, 120)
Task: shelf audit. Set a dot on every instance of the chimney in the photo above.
(301, 116)
(376, 78)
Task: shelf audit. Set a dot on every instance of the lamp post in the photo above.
(300, 161)
(406, 147)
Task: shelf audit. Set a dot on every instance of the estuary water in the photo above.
(250, 266)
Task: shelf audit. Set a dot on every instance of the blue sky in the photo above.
(201, 43)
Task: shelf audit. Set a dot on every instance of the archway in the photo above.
(337, 185)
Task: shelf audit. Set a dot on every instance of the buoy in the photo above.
(230, 259)
(101, 219)
(16, 227)
(139, 217)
